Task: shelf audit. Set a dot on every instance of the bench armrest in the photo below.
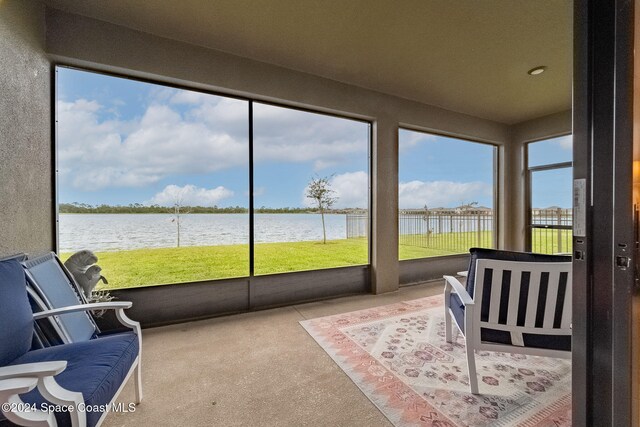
(113, 305)
(118, 306)
(18, 385)
(17, 411)
(18, 379)
(454, 284)
(35, 370)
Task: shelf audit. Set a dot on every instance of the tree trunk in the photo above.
(324, 233)
(177, 214)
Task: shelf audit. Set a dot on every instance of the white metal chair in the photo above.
(514, 307)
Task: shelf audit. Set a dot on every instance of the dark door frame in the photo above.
(603, 141)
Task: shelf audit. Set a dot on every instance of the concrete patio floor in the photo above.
(253, 369)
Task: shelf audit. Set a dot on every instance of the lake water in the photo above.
(112, 232)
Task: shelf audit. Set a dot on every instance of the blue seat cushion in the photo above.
(96, 368)
(16, 317)
(553, 342)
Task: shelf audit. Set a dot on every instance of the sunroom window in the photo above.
(171, 185)
(549, 178)
(446, 195)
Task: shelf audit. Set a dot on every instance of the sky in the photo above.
(122, 141)
(438, 171)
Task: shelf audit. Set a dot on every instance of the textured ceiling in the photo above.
(469, 56)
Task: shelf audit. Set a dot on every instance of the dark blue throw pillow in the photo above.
(16, 317)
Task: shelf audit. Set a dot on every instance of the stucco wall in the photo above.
(25, 130)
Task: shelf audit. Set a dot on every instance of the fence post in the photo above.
(426, 215)
(559, 216)
(451, 238)
(479, 243)
(348, 228)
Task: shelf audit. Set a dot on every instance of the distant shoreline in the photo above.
(77, 208)
(334, 212)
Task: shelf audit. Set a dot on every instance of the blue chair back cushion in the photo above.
(482, 253)
(16, 317)
(52, 283)
(96, 368)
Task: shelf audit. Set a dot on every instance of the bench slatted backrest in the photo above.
(56, 288)
(523, 298)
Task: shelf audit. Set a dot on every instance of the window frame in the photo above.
(529, 171)
(496, 174)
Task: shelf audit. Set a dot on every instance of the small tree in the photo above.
(177, 206)
(319, 190)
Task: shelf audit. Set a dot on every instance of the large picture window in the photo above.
(303, 160)
(156, 181)
(153, 179)
(446, 195)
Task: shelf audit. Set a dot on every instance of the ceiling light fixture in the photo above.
(537, 70)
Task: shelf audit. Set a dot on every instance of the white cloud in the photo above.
(188, 97)
(108, 177)
(190, 195)
(97, 153)
(215, 111)
(408, 139)
(190, 132)
(566, 142)
(351, 190)
(288, 135)
(434, 194)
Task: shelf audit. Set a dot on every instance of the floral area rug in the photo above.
(398, 356)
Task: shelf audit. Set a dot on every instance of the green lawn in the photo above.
(144, 267)
(543, 240)
(551, 241)
(422, 245)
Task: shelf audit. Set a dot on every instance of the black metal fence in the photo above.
(551, 230)
(443, 230)
(357, 225)
(457, 230)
